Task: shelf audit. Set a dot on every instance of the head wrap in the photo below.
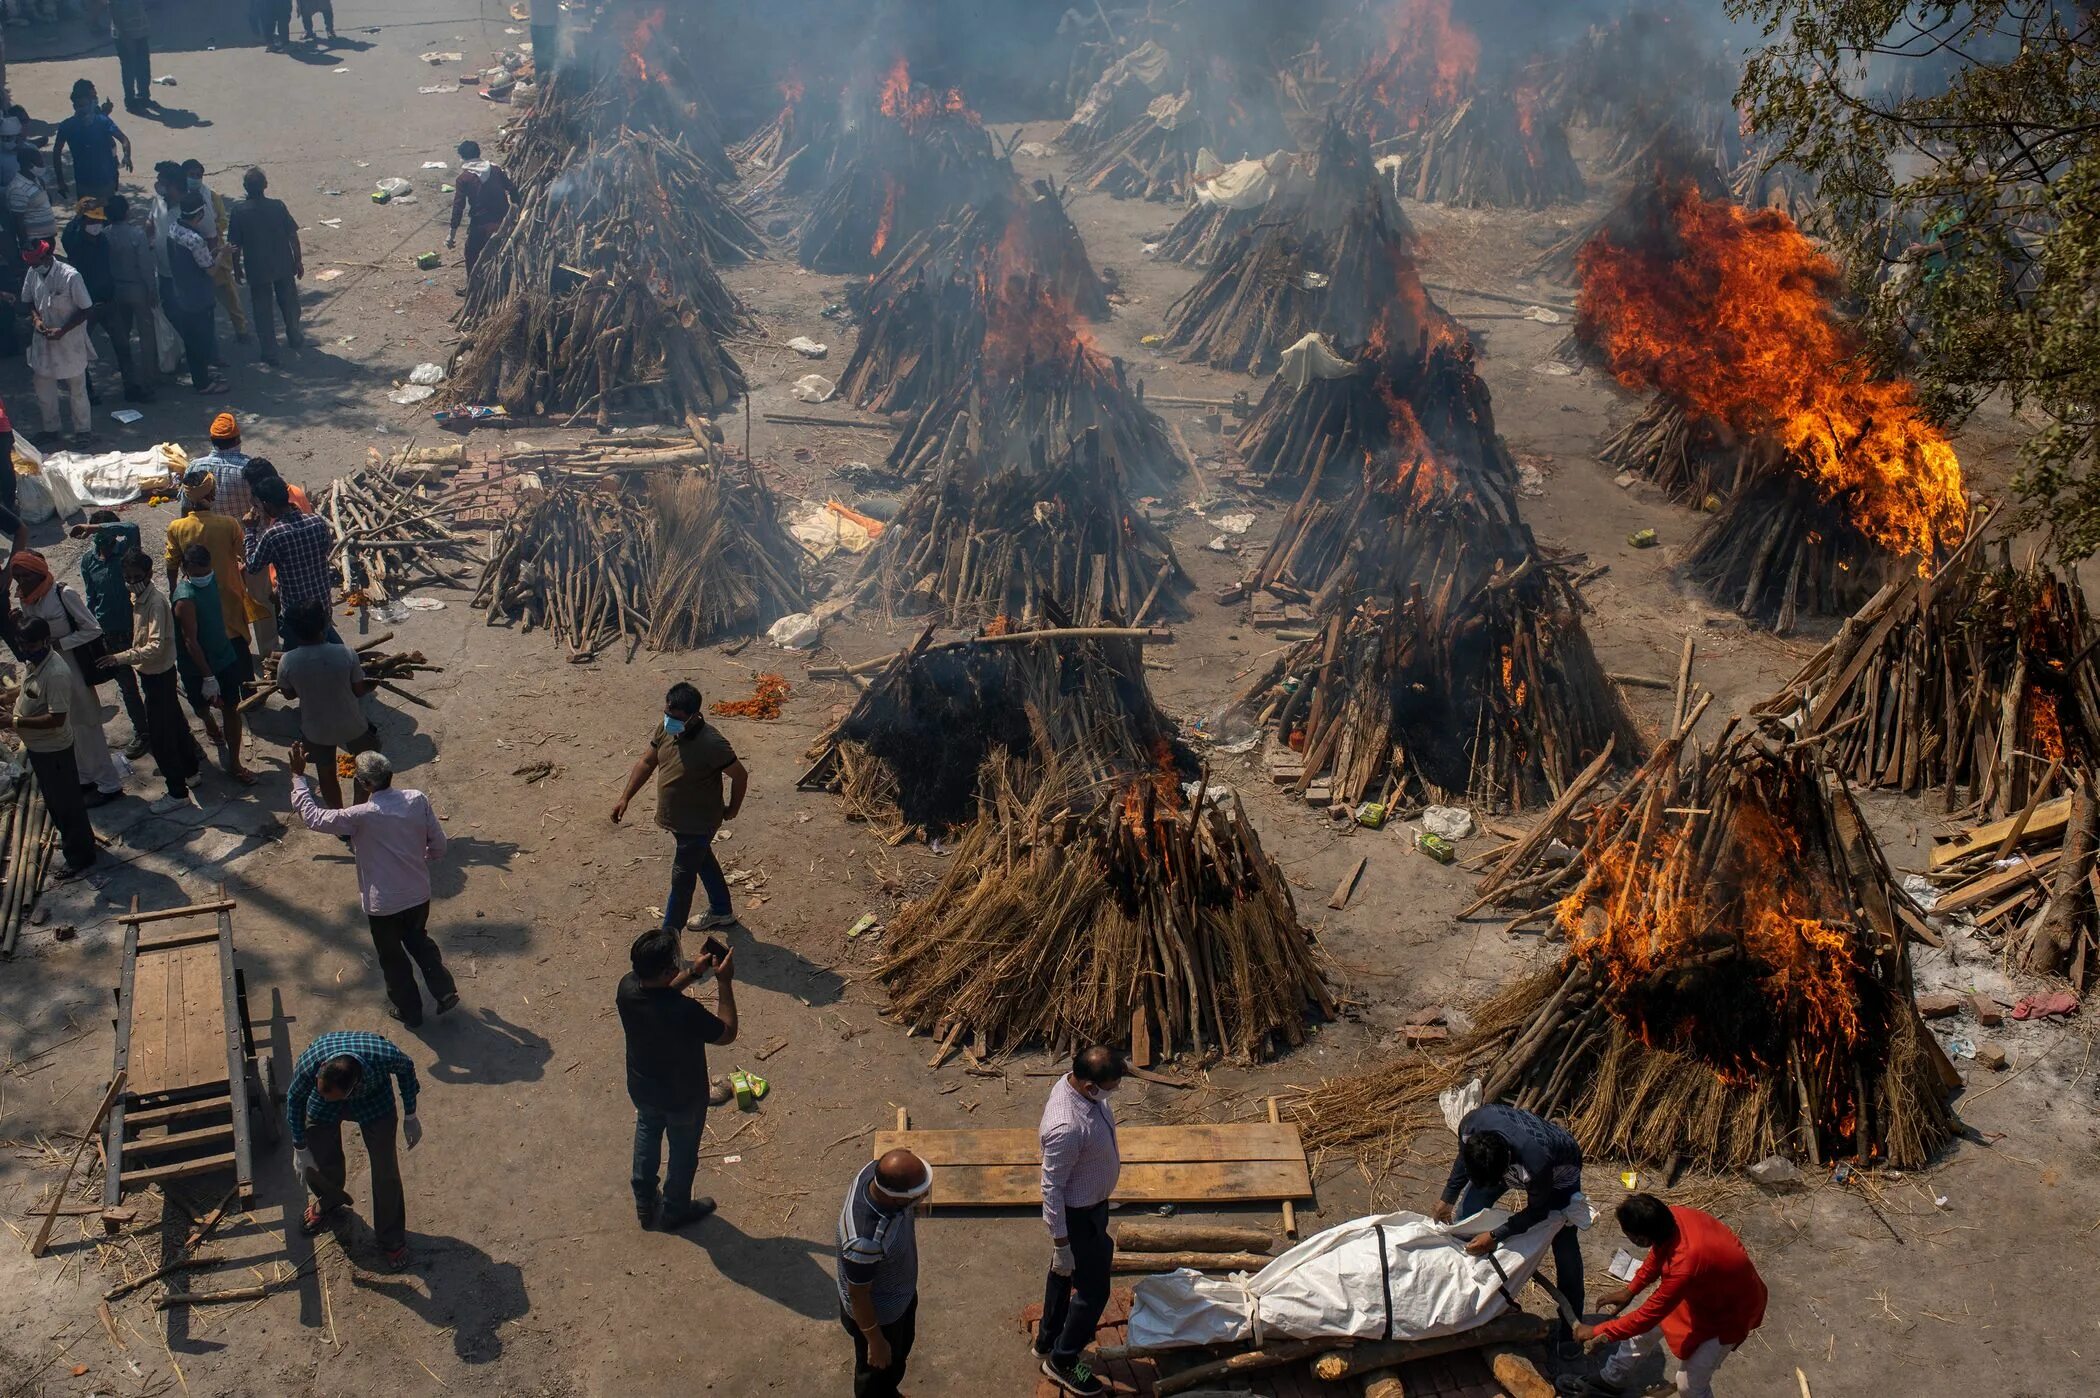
(33, 563)
(224, 428)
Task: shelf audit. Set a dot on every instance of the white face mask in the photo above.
(96, 230)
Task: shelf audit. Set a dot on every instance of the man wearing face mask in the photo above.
(94, 139)
(87, 248)
(1080, 1167)
(59, 304)
(215, 229)
(690, 758)
(51, 695)
(192, 253)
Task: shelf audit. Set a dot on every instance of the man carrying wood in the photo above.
(690, 758)
(1499, 1149)
(1708, 1297)
(878, 1259)
(1080, 1166)
(350, 1073)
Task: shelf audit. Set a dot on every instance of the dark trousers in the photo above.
(134, 699)
(1567, 1246)
(269, 302)
(277, 21)
(135, 64)
(478, 235)
(200, 340)
(325, 9)
(58, 779)
(167, 731)
(882, 1383)
(389, 1210)
(114, 318)
(694, 861)
(1072, 1306)
(403, 942)
(653, 1129)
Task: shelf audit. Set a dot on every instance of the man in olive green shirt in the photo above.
(690, 758)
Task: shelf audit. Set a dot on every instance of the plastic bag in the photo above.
(1448, 822)
(1455, 1102)
(167, 342)
(796, 631)
(814, 388)
(33, 499)
(427, 374)
(410, 393)
(808, 348)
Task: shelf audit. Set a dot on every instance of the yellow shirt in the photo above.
(222, 535)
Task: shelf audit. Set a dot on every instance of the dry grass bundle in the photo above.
(723, 563)
(971, 544)
(1073, 914)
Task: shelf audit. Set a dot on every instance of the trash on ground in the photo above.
(808, 348)
(814, 388)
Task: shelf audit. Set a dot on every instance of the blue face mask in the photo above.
(673, 726)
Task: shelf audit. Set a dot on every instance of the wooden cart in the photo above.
(196, 1096)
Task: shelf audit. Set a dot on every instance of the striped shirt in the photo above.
(297, 547)
(879, 1249)
(374, 1098)
(1080, 1159)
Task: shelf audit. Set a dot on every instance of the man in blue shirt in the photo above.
(350, 1073)
(93, 139)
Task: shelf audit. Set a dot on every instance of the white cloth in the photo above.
(1398, 1276)
(1238, 184)
(57, 293)
(1695, 1376)
(1311, 359)
(110, 478)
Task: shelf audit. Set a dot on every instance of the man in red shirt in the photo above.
(1707, 1299)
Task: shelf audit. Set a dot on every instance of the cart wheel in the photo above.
(268, 1103)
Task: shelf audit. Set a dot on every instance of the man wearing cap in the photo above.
(93, 138)
(59, 304)
(878, 1264)
(87, 247)
(191, 302)
(483, 195)
(667, 1033)
(396, 837)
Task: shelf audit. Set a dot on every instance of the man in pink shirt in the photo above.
(396, 837)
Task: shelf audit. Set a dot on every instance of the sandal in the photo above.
(317, 1220)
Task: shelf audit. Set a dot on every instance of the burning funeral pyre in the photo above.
(669, 554)
(1230, 199)
(1654, 77)
(1737, 983)
(930, 316)
(972, 544)
(1095, 898)
(1140, 130)
(907, 157)
(1328, 257)
(1824, 477)
(601, 291)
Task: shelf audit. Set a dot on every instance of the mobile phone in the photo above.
(713, 947)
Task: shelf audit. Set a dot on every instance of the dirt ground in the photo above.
(530, 1276)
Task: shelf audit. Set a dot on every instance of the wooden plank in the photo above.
(158, 1116)
(1347, 886)
(136, 1179)
(1985, 889)
(2048, 818)
(192, 910)
(205, 1020)
(179, 1140)
(1138, 1145)
(149, 1024)
(1205, 1181)
(180, 939)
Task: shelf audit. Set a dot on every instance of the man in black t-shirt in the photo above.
(667, 1037)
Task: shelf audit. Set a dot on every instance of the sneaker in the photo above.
(448, 1002)
(393, 1012)
(168, 805)
(715, 922)
(136, 748)
(1075, 1377)
(676, 1216)
(645, 1214)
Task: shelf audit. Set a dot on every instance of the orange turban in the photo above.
(225, 429)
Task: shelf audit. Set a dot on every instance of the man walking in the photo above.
(93, 138)
(58, 304)
(667, 1037)
(1080, 1167)
(690, 758)
(396, 837)
(327, 680)
(128, 26)
(1708, 1297)
(152, 656)
(266, 255)
(50, 697)
(483, 195)
(878, 1264)
(1499, 1149)
(109, 598)
(350, 1074)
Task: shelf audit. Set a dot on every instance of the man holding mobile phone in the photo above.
(668, 1033)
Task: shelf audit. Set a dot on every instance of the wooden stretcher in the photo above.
(195, 1100)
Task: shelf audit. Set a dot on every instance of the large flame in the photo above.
(1729, 313)
(913, 108)
(1027, 320)
(1427, 64)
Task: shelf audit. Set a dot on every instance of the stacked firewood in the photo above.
(1330, 257)
(606, 89)
(391, 533)
(1737, 981)
(926, 316)
(972, 544)
(2027, 880)
(1488, 151)
(1976, 681)
(671, 559)
(1139, 131)
(1777, 547)
(790, 152)
(602, 293)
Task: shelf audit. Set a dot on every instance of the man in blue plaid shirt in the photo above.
(293, 542)
(350, 1073)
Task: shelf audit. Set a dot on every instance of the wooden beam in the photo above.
(94, 1128)
(191, 910)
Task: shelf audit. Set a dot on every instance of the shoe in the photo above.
(1076, 1377)
(645, 1214)
(678, 1216)
(93, 798)
(65, 872)
(1584, 1386)
(715, 922)
(168, 805)
(83, 440)
(448, 1002)
(395, 1259)
(136, 748)
(393, 1012)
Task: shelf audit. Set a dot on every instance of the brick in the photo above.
(1428, 1014)
(1939, 1006)
(1992, 1057)
(1418, 1034)
(1988, 1013)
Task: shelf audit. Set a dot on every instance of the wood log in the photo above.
(1518, 1328)
(1173, 1235)
(1250, 1361)
(1197, 1261)
(1518, 1376)
(1384, 1383)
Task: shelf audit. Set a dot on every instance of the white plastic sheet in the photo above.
(81, 480)
(1393, 1276)
(1311, 359)
(1238, 184)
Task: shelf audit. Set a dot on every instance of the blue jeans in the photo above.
(1567, 1246)
(650, 1128)
(694, 862)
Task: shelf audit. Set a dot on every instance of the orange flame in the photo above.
(1156, 796)
(888, 219)
(1428, 62)
(914, 108)
(641, 37)
(1027, 320)
(1729, 313)
(2043, 725)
